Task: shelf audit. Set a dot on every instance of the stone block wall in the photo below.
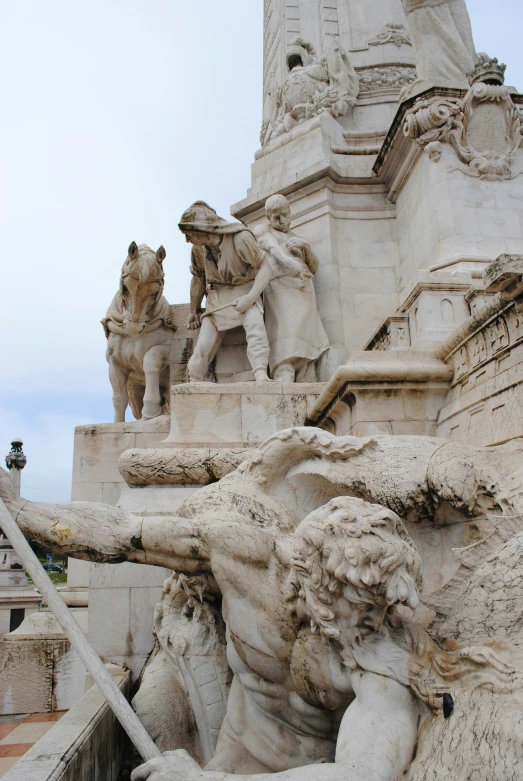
(87, 744)
(485, 401)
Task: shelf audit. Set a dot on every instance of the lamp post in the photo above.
(15, 461)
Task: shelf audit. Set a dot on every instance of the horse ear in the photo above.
(161, 254)
(133, 249)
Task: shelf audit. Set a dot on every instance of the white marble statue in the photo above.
(441, 35)
(312, 85)
(188, 681)
(296, 334)
(225, 262)
(316, 570)
(139, 333)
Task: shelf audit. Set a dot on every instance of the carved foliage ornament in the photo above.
(390, 77)
(392, 33)
(485, 129)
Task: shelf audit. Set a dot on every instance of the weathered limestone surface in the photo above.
(307, 534)
(486, 354)
(40, 671)
(180, 466)
(220, 423)
(236, 415)
(384, 392)
(87, 743)
(121, 599)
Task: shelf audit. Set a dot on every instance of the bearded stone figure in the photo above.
(320, 581)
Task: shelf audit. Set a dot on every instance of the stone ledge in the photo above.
(390, 367)
(505, 275)
(159, 425)
(270, 388)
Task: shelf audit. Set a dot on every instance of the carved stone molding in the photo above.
(386, 77)
(485, 129)
(394, 334)
(179, 466)
(392, 33)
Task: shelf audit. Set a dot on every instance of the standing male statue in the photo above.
(225, 262)
(296, 334)
(441, 35)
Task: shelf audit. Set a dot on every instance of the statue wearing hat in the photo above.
(225, 263)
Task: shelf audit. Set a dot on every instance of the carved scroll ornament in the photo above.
(485, 129)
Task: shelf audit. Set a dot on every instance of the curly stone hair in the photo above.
(365, 551)
(349, 542)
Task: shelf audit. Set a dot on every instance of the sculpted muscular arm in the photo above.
(99, 532)
(375, 742)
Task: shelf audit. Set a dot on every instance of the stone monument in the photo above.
(17, 599)
(340, 558)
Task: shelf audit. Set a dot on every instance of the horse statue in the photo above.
(139, 334)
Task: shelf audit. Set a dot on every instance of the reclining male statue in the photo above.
(327, 671)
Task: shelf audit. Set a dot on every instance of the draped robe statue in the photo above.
(441, 35)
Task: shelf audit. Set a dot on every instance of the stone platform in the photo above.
(241, 414)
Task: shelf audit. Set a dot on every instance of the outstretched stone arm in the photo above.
(102, 533)
(375, 743)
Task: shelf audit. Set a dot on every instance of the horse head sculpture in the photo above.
(141, 287)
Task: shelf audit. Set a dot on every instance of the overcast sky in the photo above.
(116, 115)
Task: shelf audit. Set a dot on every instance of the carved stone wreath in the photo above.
(485, 129)
(392, 33)
(388, 77)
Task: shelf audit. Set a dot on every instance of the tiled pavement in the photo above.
(19, 733)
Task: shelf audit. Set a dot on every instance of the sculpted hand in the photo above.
(193, 321)
(173, 766)
(297, 243)
(244, 303)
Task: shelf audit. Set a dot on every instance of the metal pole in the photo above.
(121, 708)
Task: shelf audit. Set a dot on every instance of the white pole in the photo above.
(16, 477)
(121, 708)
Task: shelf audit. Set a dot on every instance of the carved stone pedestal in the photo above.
(241, 414)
